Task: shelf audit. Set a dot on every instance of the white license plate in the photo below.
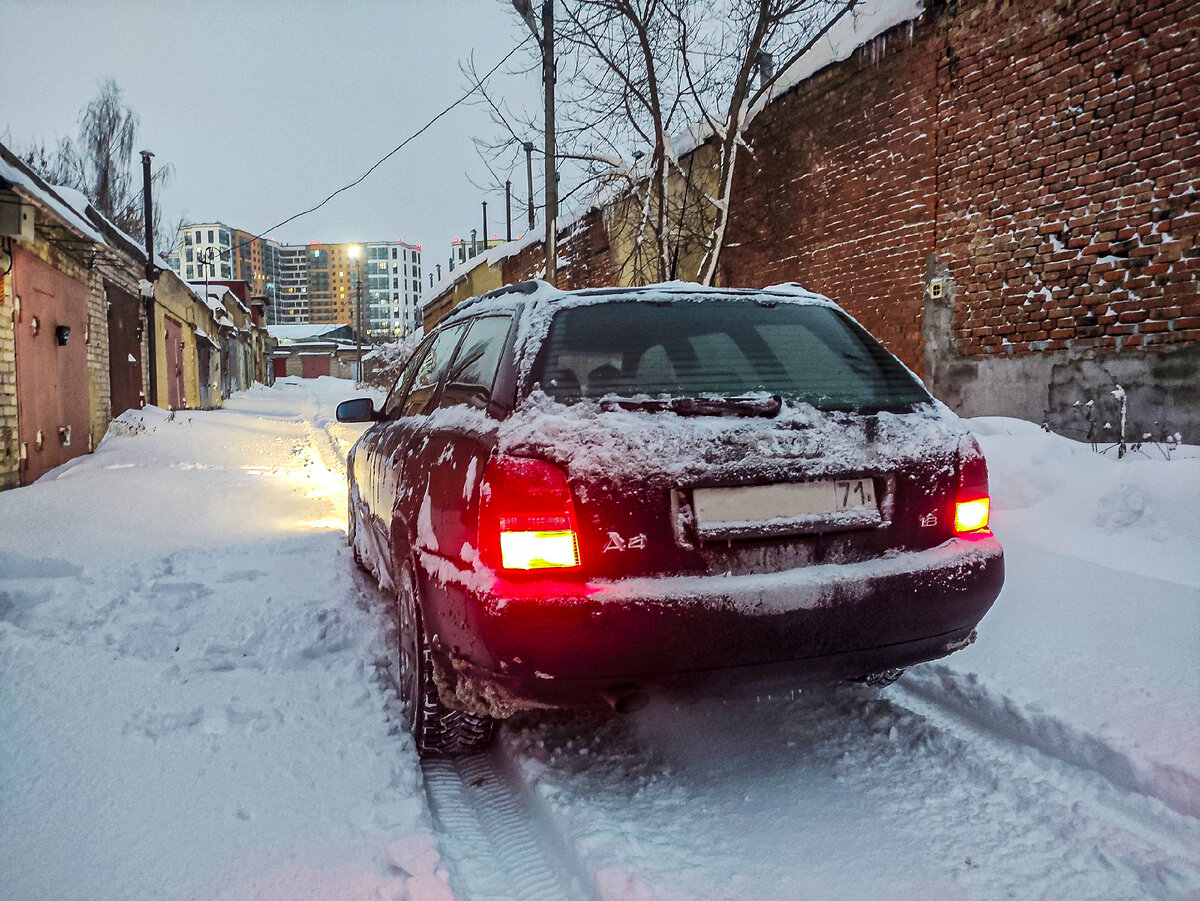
(785, 507)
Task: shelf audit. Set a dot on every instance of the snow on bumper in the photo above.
(543, 642)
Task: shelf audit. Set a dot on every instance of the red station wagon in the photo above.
(587, 497)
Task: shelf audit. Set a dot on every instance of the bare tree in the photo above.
(100, 162)
(653, 101)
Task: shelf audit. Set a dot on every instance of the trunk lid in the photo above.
(659, 493)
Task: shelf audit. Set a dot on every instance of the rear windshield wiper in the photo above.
(751, 405)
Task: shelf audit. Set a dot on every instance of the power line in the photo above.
(478, 86)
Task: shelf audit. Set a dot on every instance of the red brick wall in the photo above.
(1069, 168)
(582, 246)
(1047, 153)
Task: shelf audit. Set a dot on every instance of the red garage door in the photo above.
(53, 422)
(173, 332)
(124, 350)
(314, 366)
(281, 367)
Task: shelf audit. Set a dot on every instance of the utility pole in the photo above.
(151, 277)
(529, 177)
(356, 254)
(546, 42)
(548, 75)
(508, 210)
(485, 231)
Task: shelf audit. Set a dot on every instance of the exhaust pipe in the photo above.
(626, 697)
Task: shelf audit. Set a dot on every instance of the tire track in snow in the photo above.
(495, 843)
(1082, 766)
(940, 693)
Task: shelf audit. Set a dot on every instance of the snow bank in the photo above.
(1090, 654)
(193, 691)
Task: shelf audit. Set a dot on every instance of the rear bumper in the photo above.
(504, 645)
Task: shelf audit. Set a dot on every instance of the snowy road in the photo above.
(196, 702)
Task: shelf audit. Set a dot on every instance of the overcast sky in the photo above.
(264, 108)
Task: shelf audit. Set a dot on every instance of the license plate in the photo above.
(785, 507)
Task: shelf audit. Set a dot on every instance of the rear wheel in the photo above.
(437, 730)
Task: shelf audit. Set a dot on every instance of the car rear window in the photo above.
(692, 347)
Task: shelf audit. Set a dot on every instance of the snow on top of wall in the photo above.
(490, 257)
(494, 255)
(864, 23)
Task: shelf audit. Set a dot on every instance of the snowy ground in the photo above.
(195, 703)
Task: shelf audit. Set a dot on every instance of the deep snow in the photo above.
(195, 702)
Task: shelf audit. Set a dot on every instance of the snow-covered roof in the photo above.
(305, 331)
(72, 207)
(32, 185)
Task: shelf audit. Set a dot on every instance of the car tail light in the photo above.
(526, 516)
(972, 506)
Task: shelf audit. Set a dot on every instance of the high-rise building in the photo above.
(206, 249)
(217, 251)
(393, 285)
(330, 273)
(314, 282)
(292, 287)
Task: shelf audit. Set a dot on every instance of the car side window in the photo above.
(473, 371)
(430, 369)
(399, 390)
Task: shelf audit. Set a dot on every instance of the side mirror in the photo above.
(361, 409)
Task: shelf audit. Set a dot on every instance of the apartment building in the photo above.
(219, 252)
(292, 288)
(315, 282)
(394, 290)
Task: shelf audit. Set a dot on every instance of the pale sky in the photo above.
(264, 107)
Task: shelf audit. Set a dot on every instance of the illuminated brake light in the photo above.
(527, 516)
(972, 508)
(538, 550)
(971, 516)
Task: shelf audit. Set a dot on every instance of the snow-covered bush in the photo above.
(390, 359)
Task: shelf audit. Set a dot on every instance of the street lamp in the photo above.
(356, 255)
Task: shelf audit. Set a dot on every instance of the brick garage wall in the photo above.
(10, 476)
(1038, 163)
(528, 263)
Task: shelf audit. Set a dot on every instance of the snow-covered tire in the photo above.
(881, 679)
(352, 528)
(437, 730)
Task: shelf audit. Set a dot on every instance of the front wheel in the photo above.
(437, 730)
